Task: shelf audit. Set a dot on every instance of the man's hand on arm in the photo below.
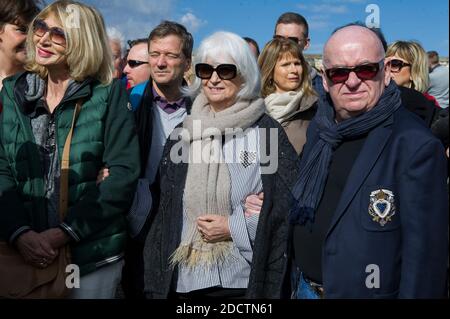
(253, 204)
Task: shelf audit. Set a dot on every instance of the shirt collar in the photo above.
(163, 103)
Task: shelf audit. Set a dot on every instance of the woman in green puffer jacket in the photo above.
(69, 61)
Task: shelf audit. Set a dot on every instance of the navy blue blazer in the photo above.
(411, 250)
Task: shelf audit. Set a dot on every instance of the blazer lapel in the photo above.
(370, 152)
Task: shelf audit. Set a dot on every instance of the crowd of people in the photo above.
(230, 173)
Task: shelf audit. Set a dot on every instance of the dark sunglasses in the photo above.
(224, 71)
(57, 35)
(295, 39)
(397, 65)
(364, 72)
(135, 63)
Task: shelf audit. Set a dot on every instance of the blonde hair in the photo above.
(275, 50)
(87, 50)
(413, 53)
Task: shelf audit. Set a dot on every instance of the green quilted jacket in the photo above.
(104, 135)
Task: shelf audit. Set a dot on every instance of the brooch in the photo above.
(382, 206)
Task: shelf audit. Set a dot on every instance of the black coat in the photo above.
(165, 231)
(440, 127)
(417, 103)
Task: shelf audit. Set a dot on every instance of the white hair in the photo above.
(226, 45)
(115, 35)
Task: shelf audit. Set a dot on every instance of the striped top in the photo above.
(242, 155)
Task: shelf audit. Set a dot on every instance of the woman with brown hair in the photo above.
(286, 88)
(288, 96)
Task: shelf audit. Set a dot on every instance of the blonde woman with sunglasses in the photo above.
(68, 80)
(409, 70)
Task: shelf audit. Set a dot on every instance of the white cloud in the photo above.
(191, 22)
(319, 22)
(127, 8)
(330, 6)
(134, 18)
(345, 1)
(324, 8)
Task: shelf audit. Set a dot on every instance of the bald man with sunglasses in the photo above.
(370, 215)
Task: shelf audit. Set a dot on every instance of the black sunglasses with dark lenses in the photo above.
(364, 72)
(224, 71)
(397, 65)
(57, 35)
(135, 63)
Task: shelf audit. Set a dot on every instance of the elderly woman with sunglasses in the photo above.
(201, 242)
(69, 80)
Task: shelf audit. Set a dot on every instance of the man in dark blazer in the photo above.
(161, 108)
(370, 218)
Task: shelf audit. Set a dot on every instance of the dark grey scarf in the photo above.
(313, 174)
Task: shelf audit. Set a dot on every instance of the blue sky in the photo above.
(426, 21)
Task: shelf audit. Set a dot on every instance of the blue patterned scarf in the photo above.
(314, 166)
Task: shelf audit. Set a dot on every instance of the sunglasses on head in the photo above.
(135, 63)
(397, 65)
(224, 71)
(57, 35)
(295, 39)
(365, 71)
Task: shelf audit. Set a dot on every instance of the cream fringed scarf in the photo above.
(208, 185)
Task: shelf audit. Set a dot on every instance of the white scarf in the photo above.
(281, 106)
